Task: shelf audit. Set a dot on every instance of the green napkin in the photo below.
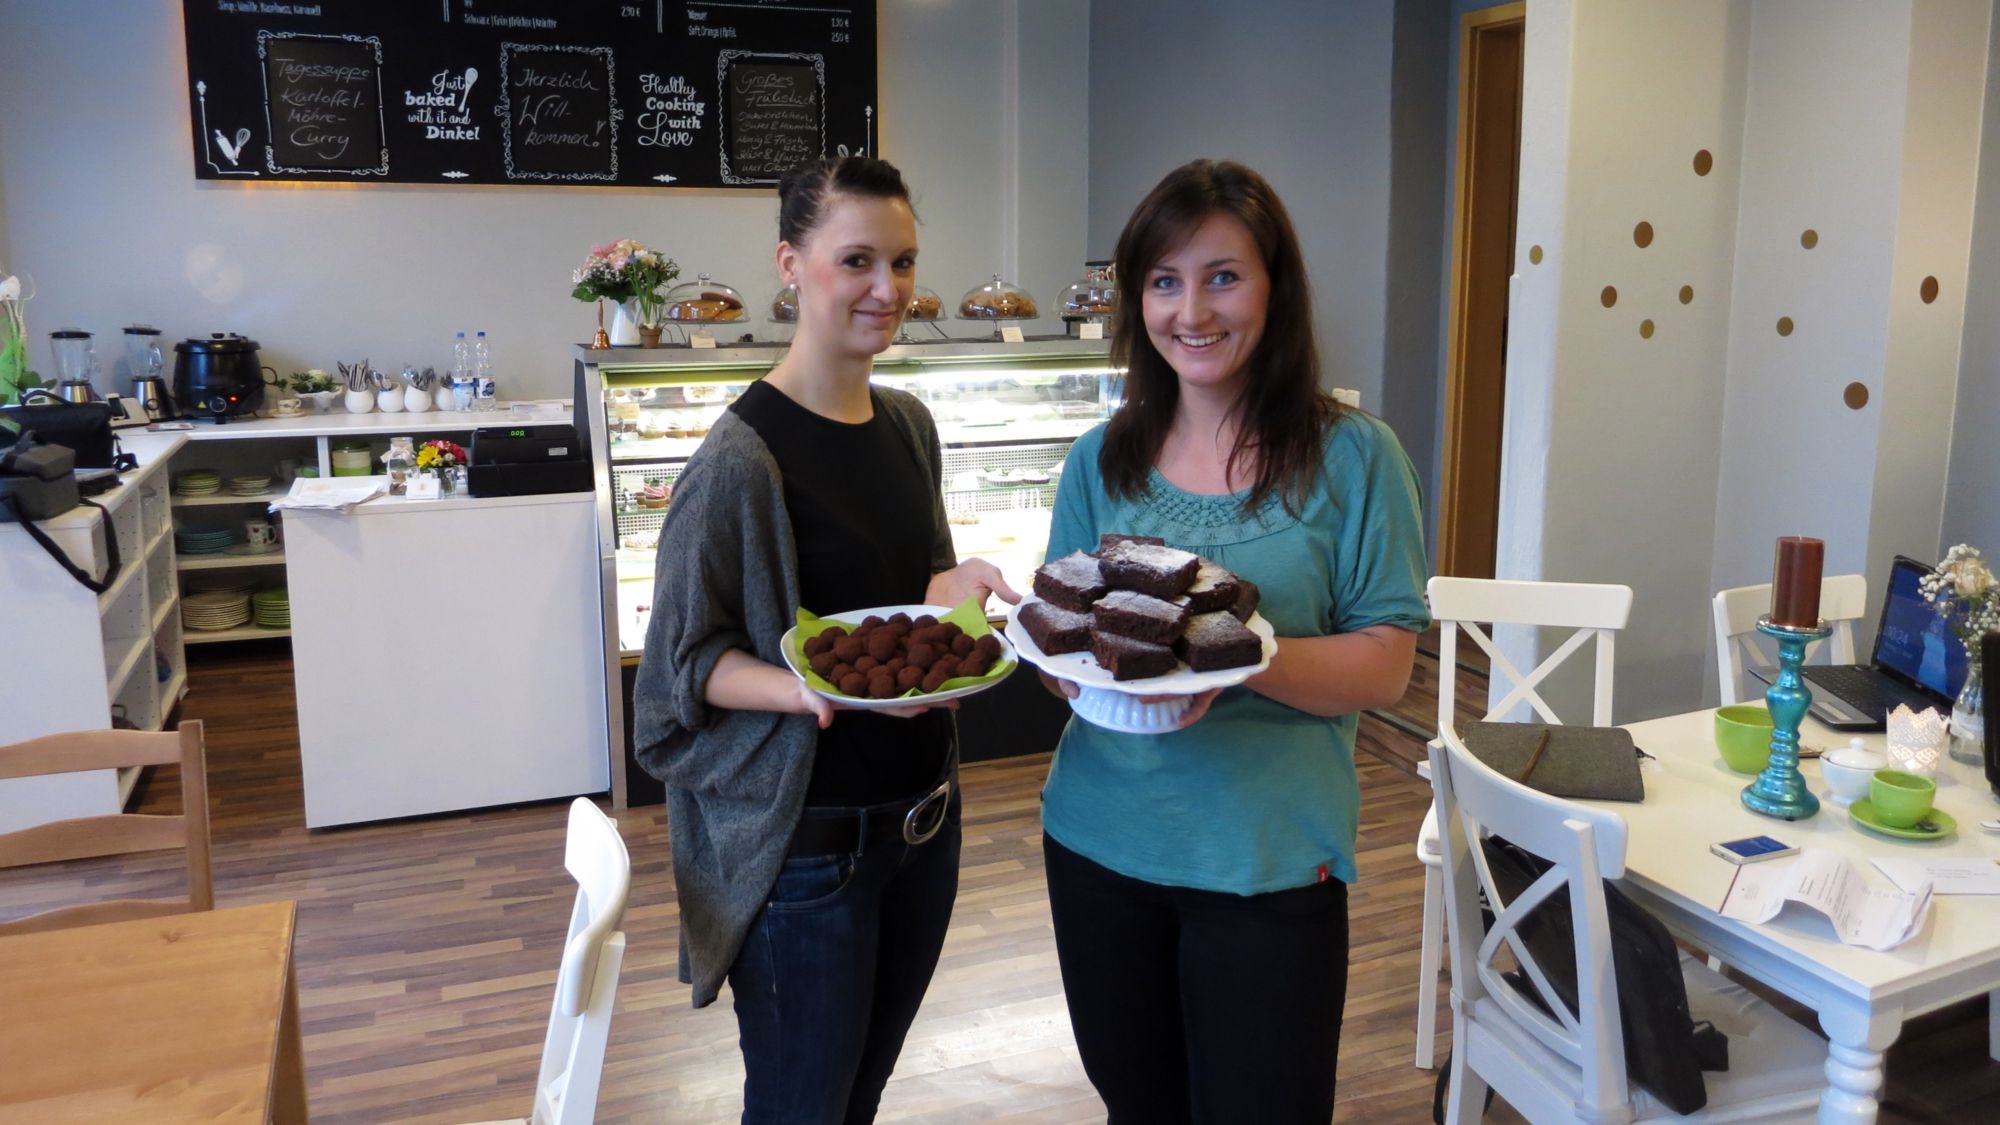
(969, 616)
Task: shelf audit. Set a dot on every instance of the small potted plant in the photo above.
(316, 387)
(444, 460)
(634, 278)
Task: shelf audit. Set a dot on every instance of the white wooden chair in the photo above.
(1596, 612)
(1843, 600)
(1562, 1065)
(587, 983)
(116, 833)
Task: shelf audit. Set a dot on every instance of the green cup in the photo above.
(1743, 734)
(1901, 799)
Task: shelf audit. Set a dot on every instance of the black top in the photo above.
(863, 523)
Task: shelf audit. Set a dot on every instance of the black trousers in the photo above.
(1199, 1006)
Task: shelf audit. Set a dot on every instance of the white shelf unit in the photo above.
(97, 655)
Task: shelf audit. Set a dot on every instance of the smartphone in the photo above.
(1753, 849)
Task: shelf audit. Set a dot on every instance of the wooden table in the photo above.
(192, 1017)
(1862, 996)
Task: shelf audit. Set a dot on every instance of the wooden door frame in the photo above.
(1471, 26)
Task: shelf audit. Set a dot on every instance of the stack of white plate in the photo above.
(192, 540)
(215, 610)
(272, 608)
(252, 485)
(197, 482)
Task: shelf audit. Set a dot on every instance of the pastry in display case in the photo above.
(703, 301)
(785, 306)
(925, 304)
(1093, 300)
(997, 300)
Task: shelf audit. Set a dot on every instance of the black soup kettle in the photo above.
(218, 377)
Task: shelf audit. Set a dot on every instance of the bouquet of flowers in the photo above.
(312, 382)
(438, 455)
(1963, 589)
(626, 270)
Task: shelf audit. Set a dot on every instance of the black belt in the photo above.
(847, 831)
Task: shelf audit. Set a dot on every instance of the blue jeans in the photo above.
(830, 977)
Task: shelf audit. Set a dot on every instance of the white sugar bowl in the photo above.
(1848, 770)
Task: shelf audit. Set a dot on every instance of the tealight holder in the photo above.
(1917, 740)
(1780, 790)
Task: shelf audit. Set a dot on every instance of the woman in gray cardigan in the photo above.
(815, 848)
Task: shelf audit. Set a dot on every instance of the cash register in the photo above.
(528, 461)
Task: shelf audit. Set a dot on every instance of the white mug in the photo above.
(260, 533)
(290, 408)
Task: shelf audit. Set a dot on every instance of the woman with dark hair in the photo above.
(1198, 877)
(815, 848)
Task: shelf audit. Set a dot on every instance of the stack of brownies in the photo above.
(1140, 607)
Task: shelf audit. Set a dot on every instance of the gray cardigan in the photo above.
(728, 577)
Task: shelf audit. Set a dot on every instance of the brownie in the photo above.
(1149, 568)
(1214, 588)
(1106, 540)
(1127, 659)
(1214, 641)
(1141, 617)
(1072, 582)
(1056, 630)
(1246, 599)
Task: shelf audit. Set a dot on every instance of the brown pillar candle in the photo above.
(1795, 582)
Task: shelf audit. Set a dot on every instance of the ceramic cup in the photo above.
(290, 408)
(1743, 735)
(1901, 799)
(261, 534)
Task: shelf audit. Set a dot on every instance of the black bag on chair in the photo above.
(84, 427)
(38, 482)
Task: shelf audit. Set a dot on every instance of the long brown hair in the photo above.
(1283, 415)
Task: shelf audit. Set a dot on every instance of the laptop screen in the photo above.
(1915, 642)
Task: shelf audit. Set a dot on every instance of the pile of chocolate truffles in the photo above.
(885, 657)
(1140, 608)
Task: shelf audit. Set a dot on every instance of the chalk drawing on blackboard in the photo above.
(666, 178)
(323, 98)
(230, 152)
(551, 110)
(772, 114)
(454, 174)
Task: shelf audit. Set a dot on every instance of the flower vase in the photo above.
(624, 324)
(1968, 714)
(359, 402)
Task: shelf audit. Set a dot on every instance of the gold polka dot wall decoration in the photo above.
(1855, 396)
(1609, 297)
(1687, 294)
(1645, 330)
(1784, 326)
(1535, 254)
(1809, 238)
(1642, 235)
(1928, 290)
(1703, 162)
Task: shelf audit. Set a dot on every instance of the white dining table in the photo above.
(1862, 996)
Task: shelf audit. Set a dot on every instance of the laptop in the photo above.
(1917, 661)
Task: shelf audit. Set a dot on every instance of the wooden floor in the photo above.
(427, 948)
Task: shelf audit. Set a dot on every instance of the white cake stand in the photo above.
(1123, 705)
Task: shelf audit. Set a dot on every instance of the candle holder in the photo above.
(1780, 790)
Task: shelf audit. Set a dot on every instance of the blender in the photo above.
(76, 365)
(148, 364)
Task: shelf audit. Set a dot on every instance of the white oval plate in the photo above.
(794, 659)
(1081, 668)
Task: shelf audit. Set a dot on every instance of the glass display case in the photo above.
(1006, 415)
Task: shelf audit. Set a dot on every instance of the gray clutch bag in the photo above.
(1591, 763)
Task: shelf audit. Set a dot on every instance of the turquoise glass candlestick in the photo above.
(1780, 790)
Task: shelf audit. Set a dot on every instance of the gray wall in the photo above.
(1300, 91)
(1419, 242)
(1972, 490)
(99, 205)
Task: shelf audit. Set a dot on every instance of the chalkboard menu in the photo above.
(650, 93)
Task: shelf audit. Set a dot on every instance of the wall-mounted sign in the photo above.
(527, 91)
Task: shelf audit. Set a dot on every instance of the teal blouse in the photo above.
(1256, 796)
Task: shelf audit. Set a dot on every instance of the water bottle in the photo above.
(463, 390)
(482, 364)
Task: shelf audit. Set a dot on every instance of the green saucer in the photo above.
(1936, 824)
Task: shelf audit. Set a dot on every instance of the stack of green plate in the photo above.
(249, 484)
(197, 482)
(273, 608)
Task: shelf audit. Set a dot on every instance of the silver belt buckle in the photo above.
(938, 797)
